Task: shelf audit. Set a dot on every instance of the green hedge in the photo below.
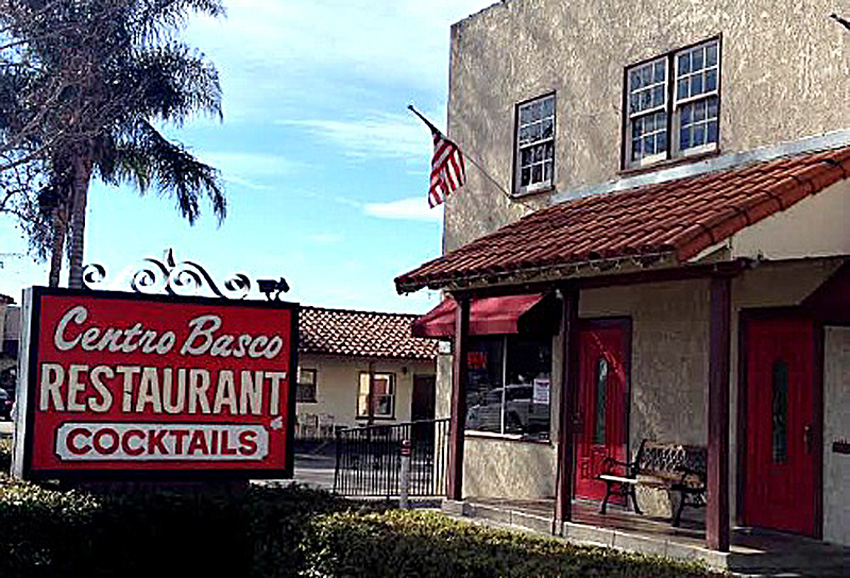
(427, 544)
(272, 532)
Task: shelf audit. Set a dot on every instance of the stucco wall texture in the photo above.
(836, 467)
(337, 381)
(785, 74)
(668, 381)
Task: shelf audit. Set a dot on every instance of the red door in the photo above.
(602, 402)
(779, 488)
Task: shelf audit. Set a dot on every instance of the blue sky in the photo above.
(326, 171)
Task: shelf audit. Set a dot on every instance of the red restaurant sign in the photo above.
(122, 384)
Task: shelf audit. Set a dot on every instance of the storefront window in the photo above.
(509, 379)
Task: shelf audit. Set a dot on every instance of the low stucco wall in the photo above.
(836, 467)
(508, 469)
(337, 381)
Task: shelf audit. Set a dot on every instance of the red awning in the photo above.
(487, 316)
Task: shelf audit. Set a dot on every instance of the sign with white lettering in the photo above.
(120, 385)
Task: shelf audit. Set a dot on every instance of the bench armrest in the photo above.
(631, 467)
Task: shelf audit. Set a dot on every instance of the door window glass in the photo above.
(780, 412)
(601, 397)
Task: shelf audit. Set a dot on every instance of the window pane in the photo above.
(484, 392)
(685, 137)
(684, 63)
(660, 71)
(548, 107)
(696, 85)
(661, 141)
(601, 400)
(383, 394)
(712, 131)
(712, 107)
(548, 128)
(637, 149)
(711, 80)
(635, 80)
(537, 174)
(683, 89)
(711, 54)
(699, 135)
(658, 95)
(525, 177)
(547, 171)
(780, 412)
(699, 111)
(528, 368)
(697, 59)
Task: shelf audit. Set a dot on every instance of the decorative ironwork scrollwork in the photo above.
(166, 276)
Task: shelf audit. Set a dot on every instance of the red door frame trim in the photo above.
(767, 313)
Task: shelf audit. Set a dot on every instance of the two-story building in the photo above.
(658, 251)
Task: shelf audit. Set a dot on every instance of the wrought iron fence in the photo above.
(368, 459)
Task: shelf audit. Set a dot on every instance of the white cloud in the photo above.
(379, 135)
(411, 209)
(252, 170)
(286, 53)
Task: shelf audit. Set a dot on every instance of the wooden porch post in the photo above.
(567, 406)
(717, 514)
(454, 486)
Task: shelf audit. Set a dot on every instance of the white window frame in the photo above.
(363, 396)
(315, 384)
(519, 188)
(672, 106)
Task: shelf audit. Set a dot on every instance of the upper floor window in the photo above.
(672, 105)
(535, 144)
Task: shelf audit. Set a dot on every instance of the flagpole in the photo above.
(475, 163)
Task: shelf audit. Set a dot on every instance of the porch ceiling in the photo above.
(674, 220)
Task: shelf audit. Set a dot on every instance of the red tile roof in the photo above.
(361, 334)
(678, 218)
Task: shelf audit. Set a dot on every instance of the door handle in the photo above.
(808, 439)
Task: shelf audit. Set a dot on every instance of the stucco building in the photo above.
(659, 251)
(347, 358)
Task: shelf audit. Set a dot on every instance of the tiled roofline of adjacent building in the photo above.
(361, 311)
(830, 140)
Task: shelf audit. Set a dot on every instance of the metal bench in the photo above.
(675, 467)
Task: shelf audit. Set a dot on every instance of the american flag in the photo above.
(447, 168)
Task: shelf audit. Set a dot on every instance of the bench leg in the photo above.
(609, 486)
(633, 494)
(677, 519)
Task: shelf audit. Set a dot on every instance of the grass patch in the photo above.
(273, 532)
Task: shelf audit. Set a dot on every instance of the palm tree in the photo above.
(120, 72)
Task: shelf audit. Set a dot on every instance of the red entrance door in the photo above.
(779, 489)
(602, 402)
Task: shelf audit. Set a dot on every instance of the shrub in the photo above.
(425, 544)
(272, 532)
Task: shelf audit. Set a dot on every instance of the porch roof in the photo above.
(671, 220)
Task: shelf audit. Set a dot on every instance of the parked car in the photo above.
(6, 402)
(522, 415)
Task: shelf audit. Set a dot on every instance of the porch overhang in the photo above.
(666, 225)
(487, 316)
